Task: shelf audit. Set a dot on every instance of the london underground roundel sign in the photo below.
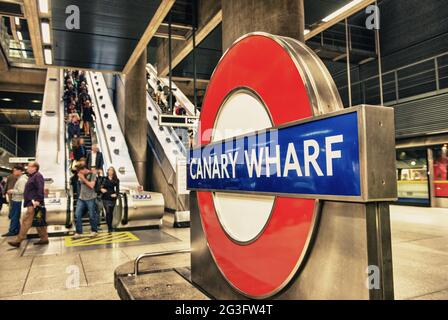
(257, 239)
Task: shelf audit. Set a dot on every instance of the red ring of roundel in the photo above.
(263, 267)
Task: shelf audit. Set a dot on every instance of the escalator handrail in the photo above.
(99, 119)
(68, 218)
(66, 158)
(171, 131)
(125, 219)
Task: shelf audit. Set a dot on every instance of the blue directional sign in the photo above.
(311, 159)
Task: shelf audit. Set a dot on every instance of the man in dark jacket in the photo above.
(33, 197)
(95, 159)
(73, 129)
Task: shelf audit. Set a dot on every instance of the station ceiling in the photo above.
(111, 29)
(109, 32)
(210, 50)
(316, 10)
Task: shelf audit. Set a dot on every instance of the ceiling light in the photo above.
(19, 36)
(36, 101)
(48, 56)
(7, 99)
(43, 6)
(17, 19)
(46, 38)
(348, 6)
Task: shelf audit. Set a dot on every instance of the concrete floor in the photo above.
(48, 273)
(420, 253)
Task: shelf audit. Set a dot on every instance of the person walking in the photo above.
(86, 199)
(33, 198)
(15, 202)
(10, 183)
(110, 189)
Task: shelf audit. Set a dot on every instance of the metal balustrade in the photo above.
(8, 145)
(360, 38)
(423, 78)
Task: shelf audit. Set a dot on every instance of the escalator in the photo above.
(168, 152)
(51, 152)
(135, 208)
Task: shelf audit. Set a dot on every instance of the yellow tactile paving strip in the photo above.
(101, 238)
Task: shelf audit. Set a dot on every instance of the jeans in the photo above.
(99, 208)
(109, 205)
(91, 207)
(16, 210)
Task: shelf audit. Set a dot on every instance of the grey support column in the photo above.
(279, 17)
(136, 124)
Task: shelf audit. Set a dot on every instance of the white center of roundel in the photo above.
(242, 216)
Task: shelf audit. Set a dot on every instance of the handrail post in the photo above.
(397, 92)
(155, 254)
(436, 67)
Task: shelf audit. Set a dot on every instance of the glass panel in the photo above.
(412, 176)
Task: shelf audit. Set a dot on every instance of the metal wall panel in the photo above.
(422, 117)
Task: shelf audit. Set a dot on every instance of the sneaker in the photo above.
(93, 234)
(77, 236)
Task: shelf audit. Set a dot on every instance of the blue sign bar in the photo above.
(316, 158)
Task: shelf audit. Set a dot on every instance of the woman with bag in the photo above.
(110, 189)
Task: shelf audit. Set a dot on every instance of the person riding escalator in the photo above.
(87, 117)
(110, 189)
(79, 149)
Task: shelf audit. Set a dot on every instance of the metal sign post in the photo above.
(289, 193)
